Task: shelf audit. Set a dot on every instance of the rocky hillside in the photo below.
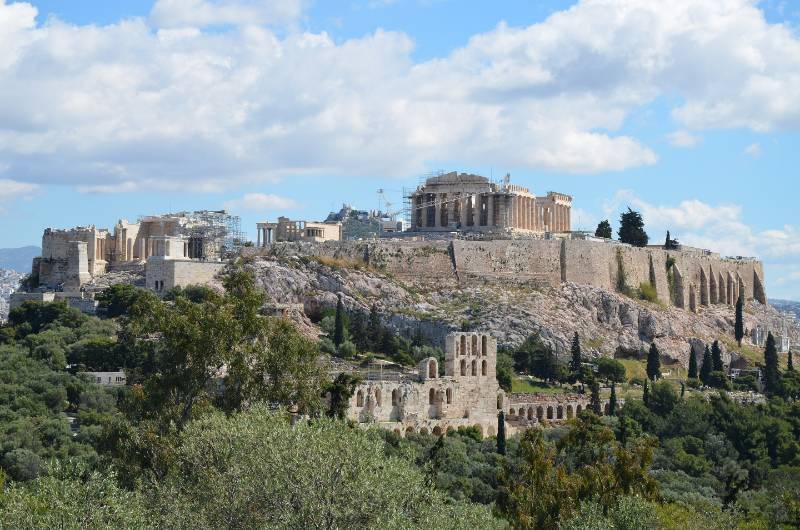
(610, 324)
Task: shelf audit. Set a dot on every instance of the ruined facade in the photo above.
(472, 203)
(71, 257)
(467, 395)
(286, 230)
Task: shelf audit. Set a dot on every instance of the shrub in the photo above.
(347, 350)
(648, 292)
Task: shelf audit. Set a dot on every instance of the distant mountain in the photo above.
(18, 259)
(786, 305)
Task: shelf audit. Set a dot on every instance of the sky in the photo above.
(688, 111)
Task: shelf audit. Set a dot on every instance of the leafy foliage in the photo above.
(631, 229)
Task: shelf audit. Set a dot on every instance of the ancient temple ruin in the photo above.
(472, 203)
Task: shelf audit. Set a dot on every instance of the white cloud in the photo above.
(754, 150)
(260, 201)
(203, 13)
(683, 139)
(11, 190)
(160, 103)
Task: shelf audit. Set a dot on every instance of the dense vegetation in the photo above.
(224, 426)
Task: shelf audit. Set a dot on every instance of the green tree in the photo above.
(631, 229)
(338, 392)
(610, 370)
(646, 392)
(612, 401)
(375, 329)
(771, 374)
(671, 244)
(653, 363)
(338, 330)
(716, 357)
(358, 331)
(116, 301)
(504, 371)
(254, 469)
(603, 230)
(789, 363)
(501, 433)
(739, 326)
(692, 364)
(594, 400)
(575, 362)
(707, 367)
(662, 398)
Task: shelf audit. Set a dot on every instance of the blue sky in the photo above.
(689, 112)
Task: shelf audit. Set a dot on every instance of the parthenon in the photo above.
(472, 203)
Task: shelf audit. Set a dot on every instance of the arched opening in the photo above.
(437, 431)
(395, 397)
(483, 369)
(549, 413)
(560, 412)
(539, 413)
(499, 402)
(484, 345)
(578, 409)
(360, 398)
(431, 397)
(474, 367)
(569, 412)
(530, 413)
(512, 412)
(398, 432)
(606, 409)
(423, 431)
(409, 430)
(449, 395)
(432, 369)
(463, 367)
(475, 345)
(463, 345)
(377, 397)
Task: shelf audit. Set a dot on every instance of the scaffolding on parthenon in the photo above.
(220, 228)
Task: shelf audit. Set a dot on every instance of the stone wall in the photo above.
(164, 274)
(693, 279)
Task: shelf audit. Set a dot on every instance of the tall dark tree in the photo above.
(358, 331)
(338, 329)
(340, 390)
(653, 363)
(707, 367)
(739, 326)
(612, 401)
(692, 364)
(594, 400)
(631, 229)
(604, 230)
(501, 433)
(716, 357)
(771, 375)
(671, 244)
(646, 392)
(789, 363)
(683, 389)
(575, 362)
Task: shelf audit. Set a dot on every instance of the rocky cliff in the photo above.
(609, 323)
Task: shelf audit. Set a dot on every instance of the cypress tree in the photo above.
(771, 374)
(653, 363)
(707, 366)
(631, 229)
(683, 389)
(716, 357)
(358, 331)
(338, 330)
(374, 329)
(575, 362)
(603, 230)
(612, 401)
(646, 392)
(501, 433)
(789, 363)
(739, 327)
(594, 402)
(692, 365)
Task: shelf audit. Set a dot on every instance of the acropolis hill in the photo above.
(492, 255)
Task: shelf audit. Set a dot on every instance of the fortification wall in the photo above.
(161, 274)
(691, 280)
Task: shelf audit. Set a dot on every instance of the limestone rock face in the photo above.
(608, 323)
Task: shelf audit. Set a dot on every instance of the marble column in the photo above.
(490, 210)
(464, 204)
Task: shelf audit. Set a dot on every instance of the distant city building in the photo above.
(117, 378)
